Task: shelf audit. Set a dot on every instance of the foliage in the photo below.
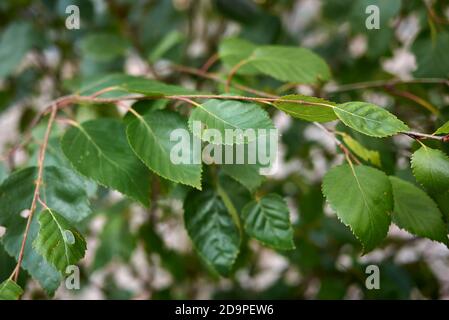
(107, 130)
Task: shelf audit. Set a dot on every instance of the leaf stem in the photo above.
(36, 190)
(233, 72)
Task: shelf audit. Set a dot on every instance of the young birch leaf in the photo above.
(62, 190)
(9, 290)
(58, 242)
(444, 129)
(361, 151)
(99, 150)
(416, 212)
(230, 115)
(103, 46)
(362, 198)
(212, 230)
(150, 136)
(369, 119)
(268, 220)
(234, 50)
(15, 42)
(307, 108)
(290, 64)
(431, 169)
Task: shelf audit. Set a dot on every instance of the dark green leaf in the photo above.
(416, 212)
(99, 150)
(212, 230)
(362, 198)
(63, 191)
(59, 242)
(150, 138)
(268, 220)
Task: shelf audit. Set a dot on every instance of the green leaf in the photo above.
(116, 227)
(59, 242)
(234, 50)
(234, 195)
(3, 173)
(268, 220)
(431, 169)
(362, 198)
(444, 129)
(246, 174)
(229, 115)
(212, 230)
(290, 64)
(307, 108)
(416, 212)
(123, 85)
(99, 150)
(63, 191)
(247, 171)
(369, 119)
(9, 290)
(149, 137)
(16, 40)
(103, 46)
(170, 40)
(361, 151)
(431, 56)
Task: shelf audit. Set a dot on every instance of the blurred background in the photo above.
(140, 254)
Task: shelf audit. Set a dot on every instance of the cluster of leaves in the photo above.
(224, 205)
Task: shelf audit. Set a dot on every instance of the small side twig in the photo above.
(38, 182)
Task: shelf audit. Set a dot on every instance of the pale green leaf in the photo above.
(234, 50)
(362, 198)
(431, 56)
(62, 190)
(9, 290)
(431, 169)
(361, 151)
(103, 46)
(232, 117)
(150, 138)
(212, 230)
(166, 44)
(444, 129)
(290, 64)
(3, 173)
(416, 212)
(268, 220)
(307, 108)
(369, 119)
(246, 166)
(16, 40)
(99, 150)
(59, 242)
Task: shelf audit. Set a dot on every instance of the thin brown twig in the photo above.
(38, 182)
(410, 96)
(210, 62)
(342, 147)
(216, 78)
(233, 72)
(383, 83)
